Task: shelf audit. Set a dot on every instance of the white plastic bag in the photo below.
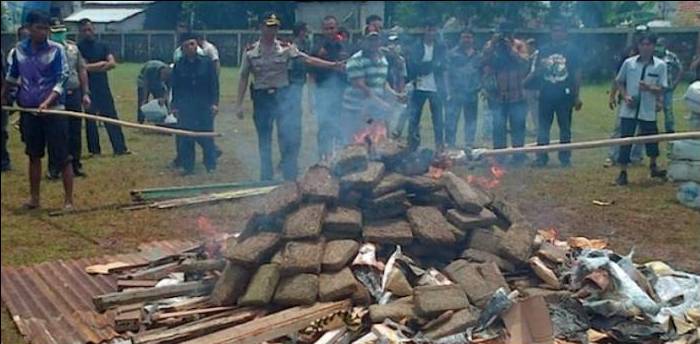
(684, 170)
(685, 150)
(154, 112)
(692, 97)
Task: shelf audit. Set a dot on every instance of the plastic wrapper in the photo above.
(689, 195)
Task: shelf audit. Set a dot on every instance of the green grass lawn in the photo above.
(645, 214)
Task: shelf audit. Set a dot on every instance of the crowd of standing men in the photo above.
(351, 85)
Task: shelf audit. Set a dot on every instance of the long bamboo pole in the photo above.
(691, 135)
(127, 124)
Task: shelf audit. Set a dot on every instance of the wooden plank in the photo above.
(130, 283)
(272, 326)
(155, 273)
(198, 288)
(190, 303)
(201, 265)
(332, 337)
(193, 329)
(202, 311)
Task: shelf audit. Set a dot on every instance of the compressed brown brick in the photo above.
(479, 281)
(506, 212)
(458, 322)
(390, 152)
(397, 232)
(300, 256)
(432, 300)
(297, 290)
(343, 220)
(466, 197)
(278, 202)
(439, 198)
(398, 310)
(390, 183)
(364, 181)
(361, 296)
(350, 159)
(388, 206)
(422, 184)
(230, 285)
(486, 239)
(337, 285)
(467, 222)
(338, 254)
(253, 250)
(305, 223)
(430, 226)
(262, 286)
(516, 243)
(318, 185)
(478, 256)
(398, 284)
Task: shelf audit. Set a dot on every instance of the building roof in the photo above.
(117, 3)
(104, 15)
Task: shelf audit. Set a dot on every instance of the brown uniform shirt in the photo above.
(269, 69)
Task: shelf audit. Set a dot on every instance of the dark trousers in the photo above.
(201, 120)
(270, 107)
(467, 104)
(513, 114)
(103, 105)
(418, 99)
(75, 126)
(628, 126)
(5, 136)
(328, 96)
(562, 109)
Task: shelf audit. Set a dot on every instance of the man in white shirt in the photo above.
(641, 80)
(426, 69)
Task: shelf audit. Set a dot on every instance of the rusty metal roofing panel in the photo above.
(51, 302)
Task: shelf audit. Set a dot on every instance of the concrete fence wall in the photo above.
(599, 47)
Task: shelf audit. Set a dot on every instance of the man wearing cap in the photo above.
(268, 61)
(195, 102)
(77, 97)
(39, 67)
(100, 60)
(153, 80)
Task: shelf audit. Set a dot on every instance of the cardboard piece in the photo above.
(528, 322)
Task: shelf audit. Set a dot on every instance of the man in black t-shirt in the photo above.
(558, 75)
(329, 86)
(100, 60)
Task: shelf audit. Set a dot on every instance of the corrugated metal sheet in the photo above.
(104, 15)
(51, 303)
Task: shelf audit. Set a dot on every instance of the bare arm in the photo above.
(102, 66)
(317, 62)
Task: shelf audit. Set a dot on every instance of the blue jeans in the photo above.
(469, 105)
(513, 115)
(669, 123)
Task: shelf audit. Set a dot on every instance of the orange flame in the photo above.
(374, 132)
(488, 182)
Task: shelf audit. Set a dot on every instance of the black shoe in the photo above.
(187, 173)
(78, 172)
(655, 172)
(6, 167)
(622, 179)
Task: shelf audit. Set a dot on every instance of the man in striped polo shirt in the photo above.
(364, 100)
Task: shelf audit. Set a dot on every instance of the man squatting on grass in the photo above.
(40, 68)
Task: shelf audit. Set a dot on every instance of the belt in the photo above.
(271, 90)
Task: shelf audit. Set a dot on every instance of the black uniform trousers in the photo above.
(75, 126)
(103, 105)
(276, 106)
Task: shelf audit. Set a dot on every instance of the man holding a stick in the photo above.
(40, 69)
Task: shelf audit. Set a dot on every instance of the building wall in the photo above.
(313, 12)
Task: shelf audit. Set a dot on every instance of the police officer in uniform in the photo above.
(268, 60)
